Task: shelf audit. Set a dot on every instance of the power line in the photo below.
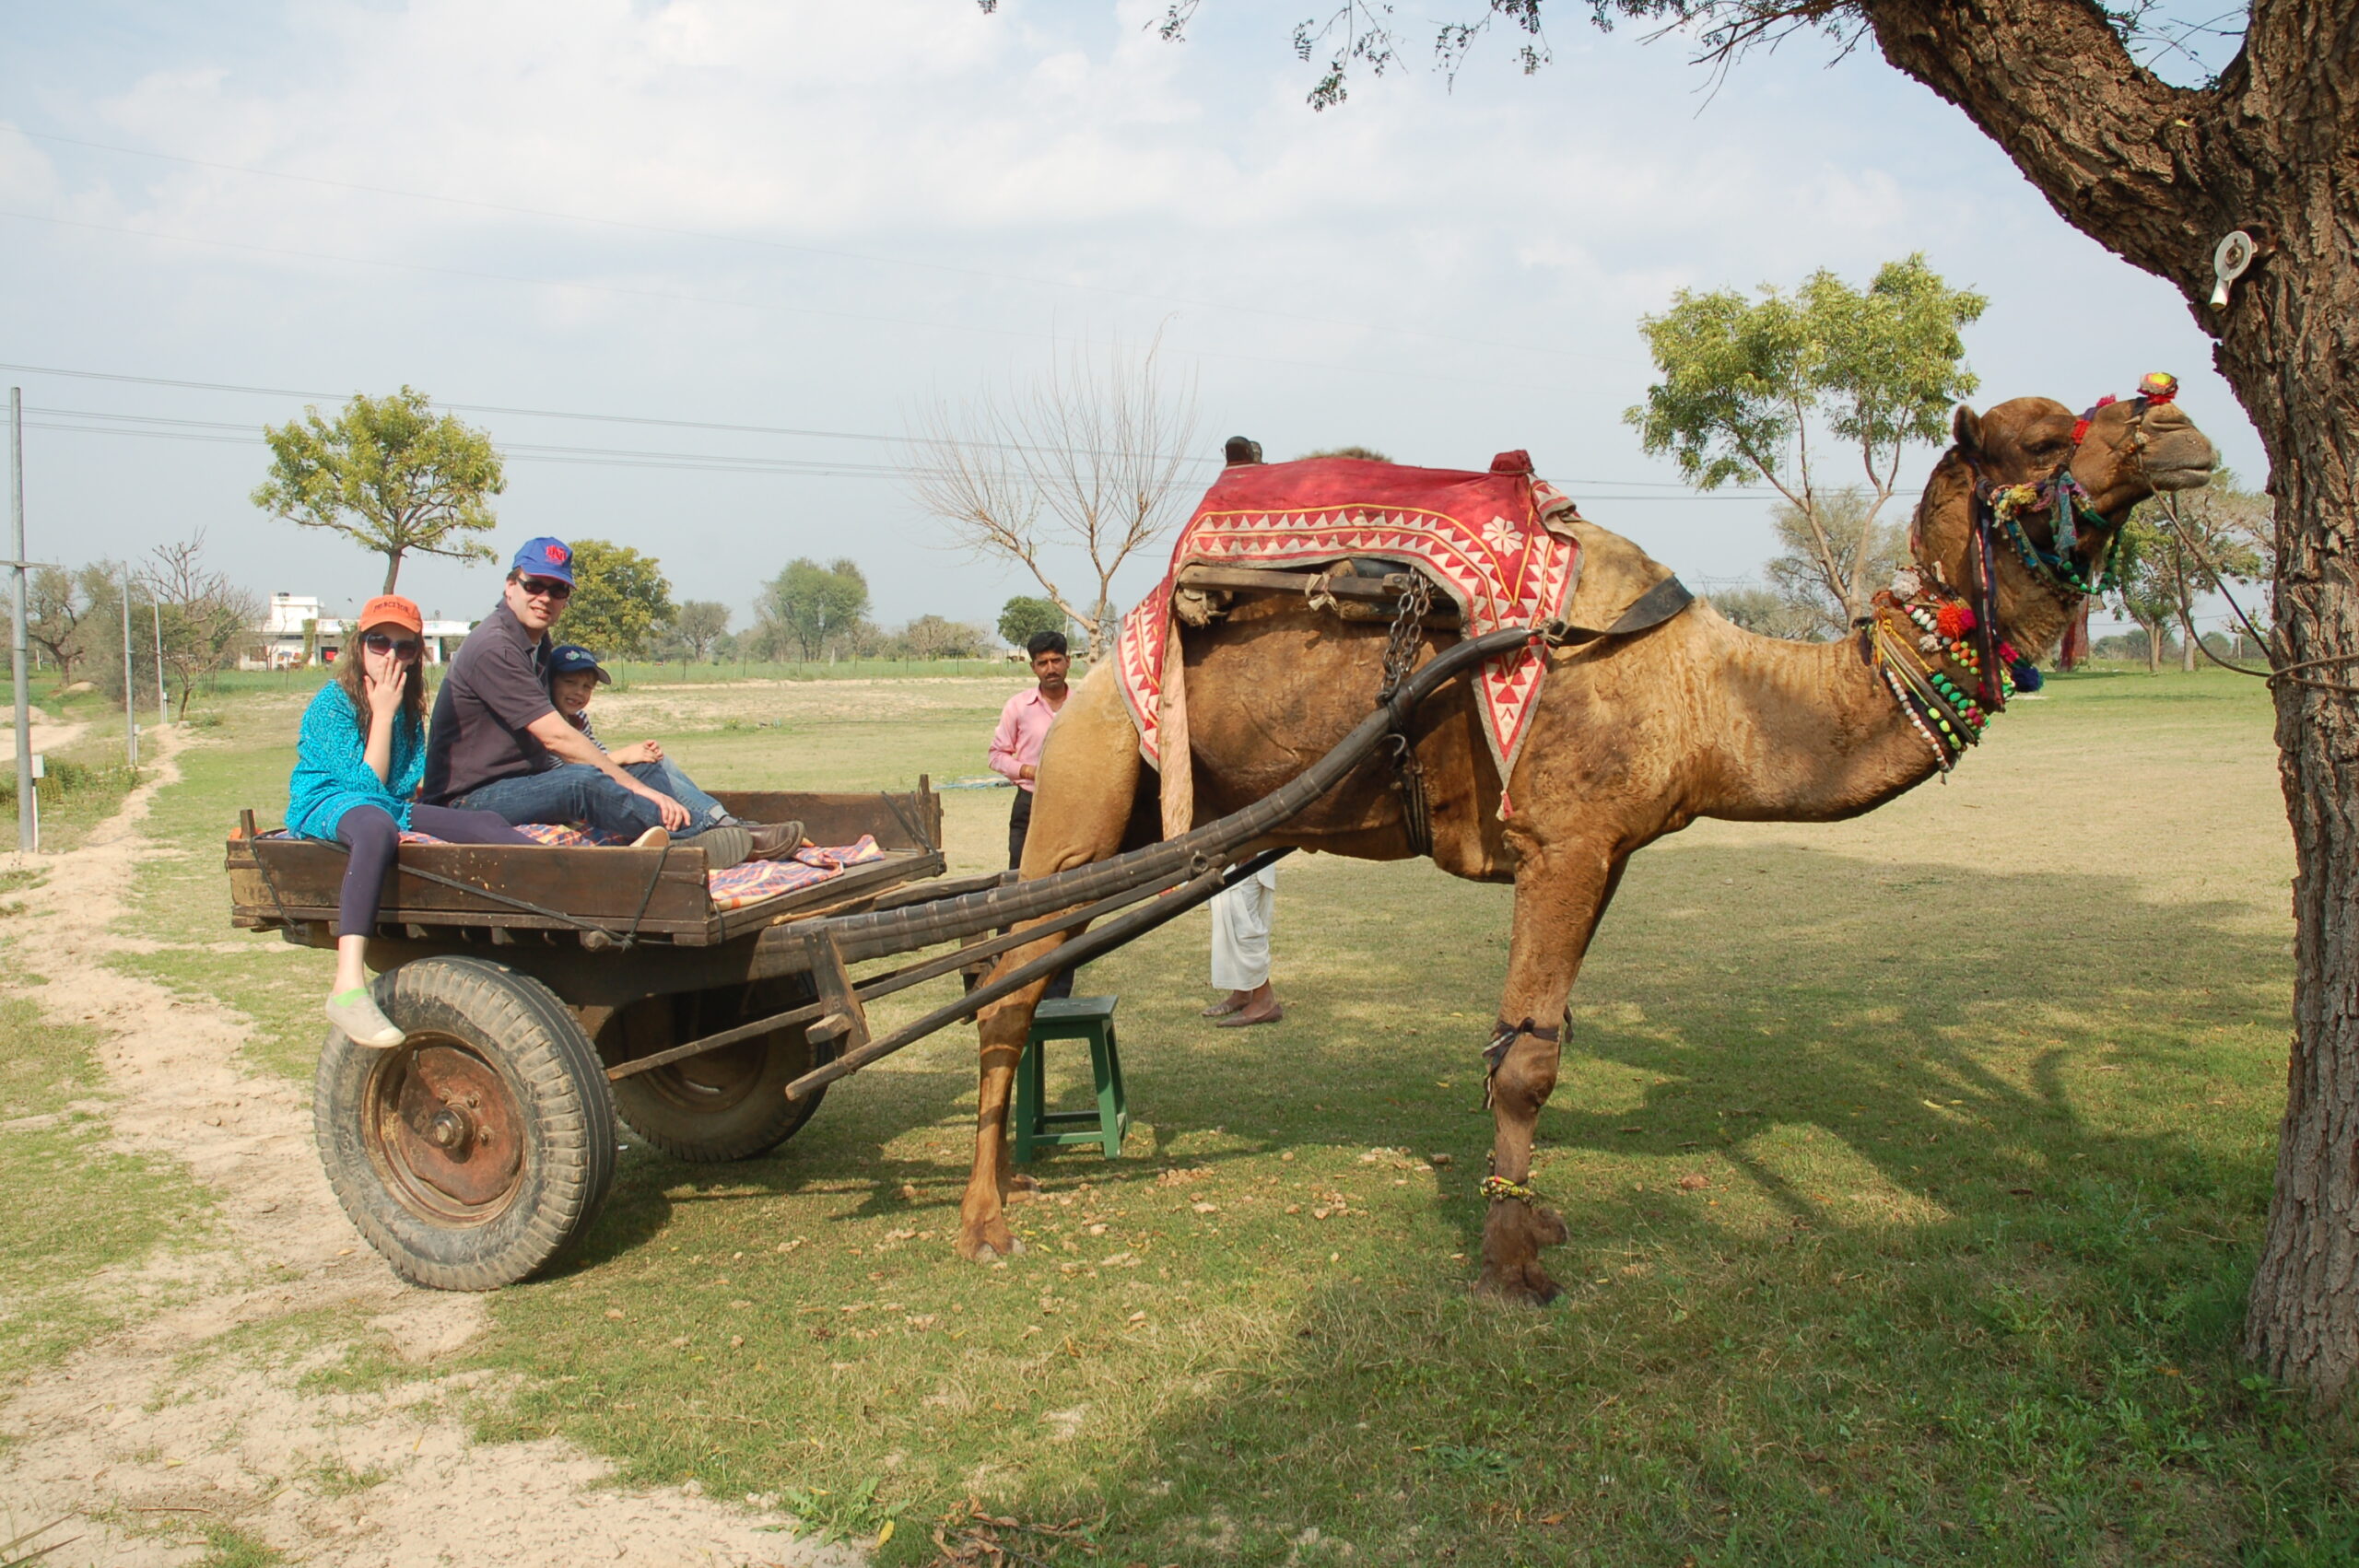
(492, 408)
(1748, 493)
(792, 248)
(679, 296)
(219, 432)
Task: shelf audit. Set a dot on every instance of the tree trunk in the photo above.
(2298, 374)
(2153, 630)
(2158, 175)
(392, 570)
(2186, 656)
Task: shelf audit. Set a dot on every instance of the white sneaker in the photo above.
(355, 1012)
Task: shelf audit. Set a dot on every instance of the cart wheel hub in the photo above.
(448, 1132)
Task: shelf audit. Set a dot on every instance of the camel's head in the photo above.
(2060, 485)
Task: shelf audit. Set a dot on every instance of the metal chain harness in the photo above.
(1400, 659)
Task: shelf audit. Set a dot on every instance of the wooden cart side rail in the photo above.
(605, 896)
(897, 819)
(655, 891)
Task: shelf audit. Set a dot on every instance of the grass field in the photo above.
(1913, 1166)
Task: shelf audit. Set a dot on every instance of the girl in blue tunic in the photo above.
(357, 768)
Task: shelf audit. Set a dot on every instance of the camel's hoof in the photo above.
(1549, 1228)
(1523, 1287)
(1020, 1187)
(990, 1245)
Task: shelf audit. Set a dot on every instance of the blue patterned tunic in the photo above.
(332, 772)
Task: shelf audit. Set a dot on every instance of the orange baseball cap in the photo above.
(392, 609)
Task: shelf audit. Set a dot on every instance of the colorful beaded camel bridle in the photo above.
(1939, 648)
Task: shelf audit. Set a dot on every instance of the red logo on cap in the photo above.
(559, 554)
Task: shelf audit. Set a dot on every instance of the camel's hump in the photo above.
(1614, 572)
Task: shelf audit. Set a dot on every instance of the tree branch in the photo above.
(2116, 151)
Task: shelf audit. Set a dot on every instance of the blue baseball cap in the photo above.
(571, 659)
(544, 558)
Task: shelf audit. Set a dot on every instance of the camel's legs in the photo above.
(1089, 772)
(1560, 892)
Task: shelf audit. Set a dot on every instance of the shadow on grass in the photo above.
(1912, 1211)
(2010, 1340)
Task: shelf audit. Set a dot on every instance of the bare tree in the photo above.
(202, 617)
(1089, 457)
(58, 610)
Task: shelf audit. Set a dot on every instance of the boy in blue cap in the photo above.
(575, 676)
(495, 731)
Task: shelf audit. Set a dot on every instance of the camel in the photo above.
(1635, 737)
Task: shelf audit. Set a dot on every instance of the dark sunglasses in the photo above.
(545, 586)
(402, 648)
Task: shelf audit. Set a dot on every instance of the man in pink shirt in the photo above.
(1023, 725)
(1016, 746)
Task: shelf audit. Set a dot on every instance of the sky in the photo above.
(700, 266)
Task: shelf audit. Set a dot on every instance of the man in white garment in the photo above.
(1241, 951)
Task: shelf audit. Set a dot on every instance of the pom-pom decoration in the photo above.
(2027, 675)
(1955, 620)
(2081, 426)
(2158, 386)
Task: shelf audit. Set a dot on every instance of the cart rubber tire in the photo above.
(726, 1105)
(481, 1150)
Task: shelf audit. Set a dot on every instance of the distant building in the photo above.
(295, 633)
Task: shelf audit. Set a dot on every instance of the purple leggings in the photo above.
(369, 830)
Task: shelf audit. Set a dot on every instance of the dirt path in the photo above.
(47, 734)
(163, 1429)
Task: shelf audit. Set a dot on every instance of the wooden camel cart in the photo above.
(547, 991)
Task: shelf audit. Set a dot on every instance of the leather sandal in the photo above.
(1223, 1008)
(1247, 1020)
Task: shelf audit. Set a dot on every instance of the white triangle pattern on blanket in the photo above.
(1500, 572)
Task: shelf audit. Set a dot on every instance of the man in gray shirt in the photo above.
(495, 732)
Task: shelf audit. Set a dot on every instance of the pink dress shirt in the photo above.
(1015, 744)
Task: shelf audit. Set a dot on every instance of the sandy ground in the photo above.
(163, 1428)
(47, 734)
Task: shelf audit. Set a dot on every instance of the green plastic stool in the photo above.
(1087, 1018)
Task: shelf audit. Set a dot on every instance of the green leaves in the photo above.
(1025, 616)
(620, 600)
(1877, 368)
(2233, 531)
(388, 473)
(808, 604)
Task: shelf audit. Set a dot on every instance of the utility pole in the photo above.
(130, 682)
(26, 819)
(163, 702)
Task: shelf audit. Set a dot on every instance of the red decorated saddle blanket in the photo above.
(1500, 545)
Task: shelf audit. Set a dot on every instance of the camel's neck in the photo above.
(1801, 731)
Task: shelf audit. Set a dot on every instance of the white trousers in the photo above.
(1241, 931)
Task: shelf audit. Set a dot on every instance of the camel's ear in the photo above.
(1967, 428)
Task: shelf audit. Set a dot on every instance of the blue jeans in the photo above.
(576, 792)
(666, 777)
